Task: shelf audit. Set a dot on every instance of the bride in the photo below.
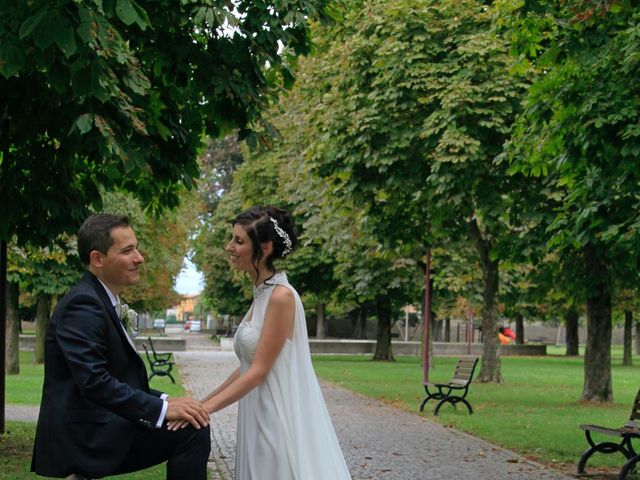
(284, 429)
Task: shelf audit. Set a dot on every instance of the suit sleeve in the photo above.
(156, 393)
(81, 334)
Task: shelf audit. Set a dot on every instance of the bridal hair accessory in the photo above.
(283, 235)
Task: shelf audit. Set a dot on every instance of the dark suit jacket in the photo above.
(96, 391)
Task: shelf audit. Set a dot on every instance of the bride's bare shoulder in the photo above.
(282, 295)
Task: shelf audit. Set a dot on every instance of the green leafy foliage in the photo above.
(162, 240)
(118, 94)
(576, 139)
(412, 117)
(48, 270)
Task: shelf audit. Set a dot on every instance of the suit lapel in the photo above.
(97, 286)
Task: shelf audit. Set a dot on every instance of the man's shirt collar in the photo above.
(114, 298)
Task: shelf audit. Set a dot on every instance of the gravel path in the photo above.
(21, 413)
(379, 441)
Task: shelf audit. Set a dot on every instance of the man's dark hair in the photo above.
(95, 234)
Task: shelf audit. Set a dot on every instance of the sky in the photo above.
(190, 280)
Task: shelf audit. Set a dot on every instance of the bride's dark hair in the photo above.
(258, 223)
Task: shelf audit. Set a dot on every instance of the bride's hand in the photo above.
(174, 425)
(188, 410)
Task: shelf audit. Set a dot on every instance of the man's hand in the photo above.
(185, 410)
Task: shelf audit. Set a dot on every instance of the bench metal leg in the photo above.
(624, 447)
(440, 403)
(434, 396)
(162, 374)
(629, 467)
(604, 447)
(453, 401)
(429, 396)
(468, 405)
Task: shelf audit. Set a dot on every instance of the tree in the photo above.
(44, 273)
(578, 134)
(339, 260)
(571, 323)
(627, 357)
(259, 180)
(217, 164)
(519, 294)
(224, 292)
(12, 366)
(335, 261)
(163, 240)
(626, 301)
(366, 274)
(456, 282)
(118, 94)
(412, 116)
(538, 287)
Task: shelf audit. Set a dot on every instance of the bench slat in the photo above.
(598, 428)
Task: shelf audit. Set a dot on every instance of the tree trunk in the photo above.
(3, 328)
(43, 306)
(571, 324)
(12, 366)
(436, 328)
(383, 337)
(320, 321)
(637, 338)
(354, 316)
(363, 314)
(447, 330)
(597, 355)
(628, 334)
(519, 329)
(490, 370)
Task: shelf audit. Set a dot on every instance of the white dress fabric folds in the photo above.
(284, 428)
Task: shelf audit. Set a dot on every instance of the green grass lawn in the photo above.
(535, 412)
(16, 444)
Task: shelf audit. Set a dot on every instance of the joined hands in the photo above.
(183, 411)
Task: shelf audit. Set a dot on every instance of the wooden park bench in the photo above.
(626, 433)
(456, 390)
(160, 357)
(159, 367)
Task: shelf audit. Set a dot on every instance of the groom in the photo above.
(98, 415)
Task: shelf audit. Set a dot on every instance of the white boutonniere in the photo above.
(129, 318)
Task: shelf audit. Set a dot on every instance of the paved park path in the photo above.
(379, 441)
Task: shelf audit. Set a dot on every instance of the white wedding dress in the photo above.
(284, 428)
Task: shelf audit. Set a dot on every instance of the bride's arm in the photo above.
(230, 379)
(277, 327)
